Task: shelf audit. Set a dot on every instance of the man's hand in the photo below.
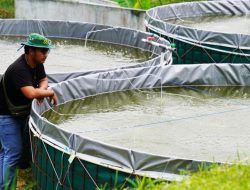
(54, 99)
(39, 101)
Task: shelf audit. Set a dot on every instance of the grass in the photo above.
(24, 180)
(7, 8)
(227, 177)
(224, 178)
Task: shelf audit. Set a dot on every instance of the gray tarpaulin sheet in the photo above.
(132, 78)
(155, 21)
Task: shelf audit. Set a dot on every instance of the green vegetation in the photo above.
(7, 8)
(147, 4)
(136, 4)
(24, 180)
(224, 178)
(227, 177)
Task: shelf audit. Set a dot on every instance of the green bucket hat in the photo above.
(39, 41)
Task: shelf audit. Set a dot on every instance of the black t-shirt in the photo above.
(18, 75)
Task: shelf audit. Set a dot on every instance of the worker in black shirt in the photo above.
(23, 81)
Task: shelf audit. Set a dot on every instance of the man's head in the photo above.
(37, 47)
(38, 55)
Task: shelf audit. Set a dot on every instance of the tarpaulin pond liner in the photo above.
(195, 30)
(82, 47)
(70, 158)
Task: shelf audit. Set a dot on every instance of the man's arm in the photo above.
(31, 93)
(43, 83)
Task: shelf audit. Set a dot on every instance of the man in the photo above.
(22, 82)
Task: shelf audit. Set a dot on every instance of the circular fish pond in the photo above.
(204, 32)
(196, 123)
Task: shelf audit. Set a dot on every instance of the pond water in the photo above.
(225, 24)
(74, 56)
(205, 123)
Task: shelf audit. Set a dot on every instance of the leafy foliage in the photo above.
(7, 8)
(136, 4)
